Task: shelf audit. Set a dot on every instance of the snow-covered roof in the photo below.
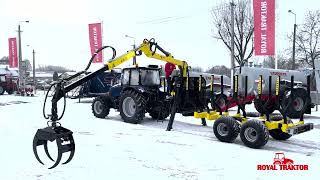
(5, 71)
(42, 74)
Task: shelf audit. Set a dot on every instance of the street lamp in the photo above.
(21, 75)
(134, 47)
(33, 66)
(294, 40)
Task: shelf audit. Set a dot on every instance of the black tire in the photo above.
(276, 117)
(226, 129)
(100, 106)
(1, 90)
(137, 103)
(258, 106)
(159, 113)
(222, 101)
(253, 114)
(254, 134)
(299, 100)
(10, 91)
(279, 135)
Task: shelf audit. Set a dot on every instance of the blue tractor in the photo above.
(139, 92)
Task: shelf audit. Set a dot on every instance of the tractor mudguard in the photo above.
(115, 91)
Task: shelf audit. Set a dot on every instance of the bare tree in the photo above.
(284, 61)
(243, 28)
(307, 39)
(196, 69)
(269, 62)
(221, 70)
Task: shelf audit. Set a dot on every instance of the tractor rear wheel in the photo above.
(1, 90)
(254, 134)
(298, 102)
(100, 106)
(226, 129)
(132, 106)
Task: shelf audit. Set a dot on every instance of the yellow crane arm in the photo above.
(145, 47)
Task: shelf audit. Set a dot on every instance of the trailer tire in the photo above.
(300, 98)
(222, 101)
(10, 91)
(100, 106)
(278, 134)
(253, 114)
(258, 103)
(132, 106)
(154, 113)
(1, 90)
(254, 134)
(226, 129)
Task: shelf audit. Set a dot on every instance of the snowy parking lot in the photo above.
(111, 149)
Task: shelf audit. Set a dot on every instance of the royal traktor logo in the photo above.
(280, 162)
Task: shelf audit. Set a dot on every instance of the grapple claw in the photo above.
(64, 140)
(46, 151)
(36, 143)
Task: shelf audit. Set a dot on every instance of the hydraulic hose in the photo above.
(60, 84)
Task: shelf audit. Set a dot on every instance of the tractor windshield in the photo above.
(150, 77)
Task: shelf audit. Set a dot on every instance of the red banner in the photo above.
(95, 37)
(264, 20)
(13, 53)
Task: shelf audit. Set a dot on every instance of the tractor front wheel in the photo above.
(1, 90)
(226, 129)
(100, 106)
(132, 106)
(254, 134)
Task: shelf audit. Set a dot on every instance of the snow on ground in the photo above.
(111, 149)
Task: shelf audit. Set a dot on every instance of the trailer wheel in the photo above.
(254, 134)
(258, 103)
(298, 102)
(253, 114)
(226, 129)
(10, 91)
(100, 106)
(159, 113)
(132, 106)
(1, 90)
(279, 135)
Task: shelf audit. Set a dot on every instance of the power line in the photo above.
(171, 18)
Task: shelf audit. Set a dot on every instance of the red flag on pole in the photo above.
(13, 55)
(95, 37)
(264, 27)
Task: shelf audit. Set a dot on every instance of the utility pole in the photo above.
(294, 47)
(294, 41)
(21, 71)
(34, 69)
(20, 57)
(134, 47)
(232, 37)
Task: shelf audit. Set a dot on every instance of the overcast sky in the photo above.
(58, 29)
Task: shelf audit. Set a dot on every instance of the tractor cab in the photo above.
(141, 76)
